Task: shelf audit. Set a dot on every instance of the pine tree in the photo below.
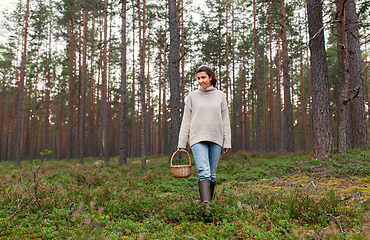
(174, 75)
(122, 122)
(288, 108)
(322, 125)
(21, 92)
(357, 103)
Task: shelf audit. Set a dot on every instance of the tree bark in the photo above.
(182, 56)
(46, 123)
(343, 80)
(271, 93)
(142, 88)
(357, 104)
(234, 136)
(122, 125)
(256, 78)
(99, 129)
(149, 110)
(132, 151)
(2, 104)
(5, 153)
(21, 93)
(288, 108)
(164, 149)
(303, 106)
(83, 84)
(159, 148)
(367, 82)
(279, 132)
(227, 53)
(90, 131)
(104, 104)
(174, 76)
(70, 88)
(322, 124)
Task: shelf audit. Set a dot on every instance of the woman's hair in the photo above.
(210, 73)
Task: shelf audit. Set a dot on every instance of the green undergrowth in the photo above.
(257, 196)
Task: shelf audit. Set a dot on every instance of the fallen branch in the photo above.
(337, 221)
(315, 235)
(184, 236)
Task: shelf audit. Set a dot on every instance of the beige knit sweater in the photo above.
(206, 118)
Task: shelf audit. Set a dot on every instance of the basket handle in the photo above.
(177, 152)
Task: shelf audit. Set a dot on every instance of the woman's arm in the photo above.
(226, 127)
(185, 128)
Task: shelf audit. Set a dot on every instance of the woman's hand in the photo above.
(180, 150)
(226, 150)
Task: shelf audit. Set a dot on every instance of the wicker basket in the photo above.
(181, 171)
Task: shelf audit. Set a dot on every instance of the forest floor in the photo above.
(257, 196)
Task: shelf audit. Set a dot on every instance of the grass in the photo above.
(258, 196)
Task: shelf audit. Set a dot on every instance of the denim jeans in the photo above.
(206, 155)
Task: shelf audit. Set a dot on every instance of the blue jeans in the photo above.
(206, 156)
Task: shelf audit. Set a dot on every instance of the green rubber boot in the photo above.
(205, 193)
(212, 186)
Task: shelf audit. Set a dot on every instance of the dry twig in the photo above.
(337, 221)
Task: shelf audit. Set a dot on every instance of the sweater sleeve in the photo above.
(185, 126)
(226, 125)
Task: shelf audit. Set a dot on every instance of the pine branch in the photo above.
(357, 92)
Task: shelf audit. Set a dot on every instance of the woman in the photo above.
(206, 127)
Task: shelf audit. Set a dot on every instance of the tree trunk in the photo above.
(90, 131)
(164, 149)
(83, 84)
(303, 106)
(2, 104)
(111, 129)
(264, 110)
(21, 93)
(104, 104)
(122, 125)
(279, 132)
(159, 149)
(46, 123)
(26, 137)
(12, 132)
(182, 57)
(142, 88)
(99, 129)
(322, 124)
(133, 128)
(357, 104)
(61, 130)
(5, 153)
(343, 81)
(288, 108)
(70, 89)
(367, 82)
(233, 91)
(149, 112)
(271, 93)
(242, 97)
(227, 53)
(256, 79)
(174, 76)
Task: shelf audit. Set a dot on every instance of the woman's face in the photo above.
(204, 80)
